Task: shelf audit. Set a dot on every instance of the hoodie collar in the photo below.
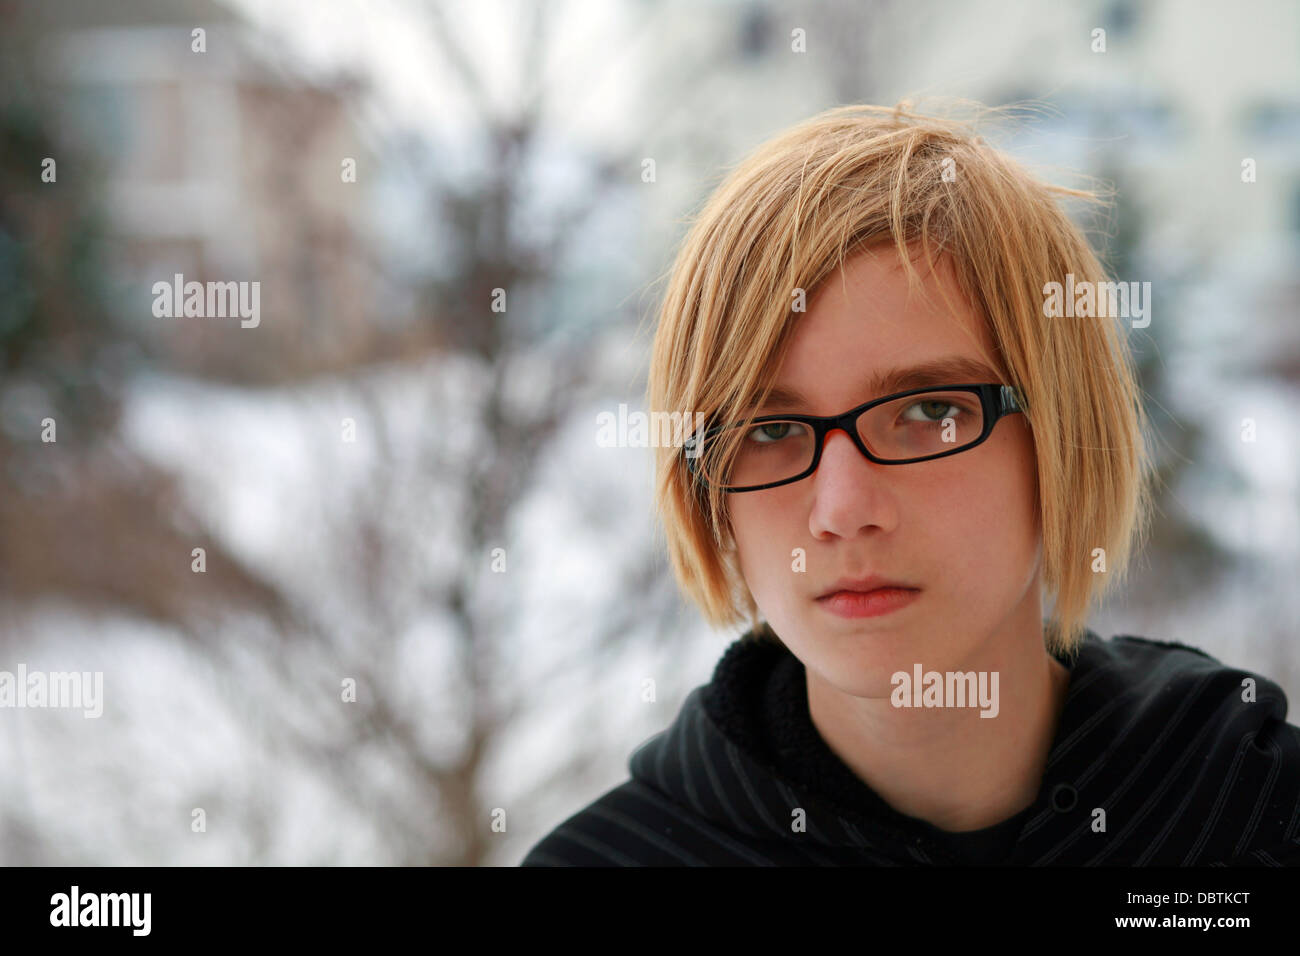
(743, 753)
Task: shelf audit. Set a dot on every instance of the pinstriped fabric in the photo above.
(1293, 831)
(1157, 760)
(1106, 763)
(621, 819)
(599, 850)
(1257, 812)
(737, 765)
(1179, 779)
(1169, 779)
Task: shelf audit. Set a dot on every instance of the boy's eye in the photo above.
(770, 432)
(935, 410)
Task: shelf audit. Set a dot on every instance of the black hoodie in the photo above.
(1155, 734)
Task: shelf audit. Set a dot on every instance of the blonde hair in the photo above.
(855, 176)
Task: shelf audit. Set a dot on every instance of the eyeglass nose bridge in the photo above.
(848, 424)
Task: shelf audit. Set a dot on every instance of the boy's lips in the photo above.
(869, 597)
(863, 585)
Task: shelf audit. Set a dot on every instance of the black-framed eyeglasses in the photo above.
(917, 425)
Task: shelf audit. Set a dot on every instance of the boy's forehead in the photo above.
(878, 336)
(876, 275)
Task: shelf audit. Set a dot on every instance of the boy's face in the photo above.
(962, 530)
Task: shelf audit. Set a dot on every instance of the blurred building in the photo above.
(224, 165)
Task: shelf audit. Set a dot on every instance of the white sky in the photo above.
(389, 40)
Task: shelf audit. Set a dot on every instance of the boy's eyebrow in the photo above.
(952, 370)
